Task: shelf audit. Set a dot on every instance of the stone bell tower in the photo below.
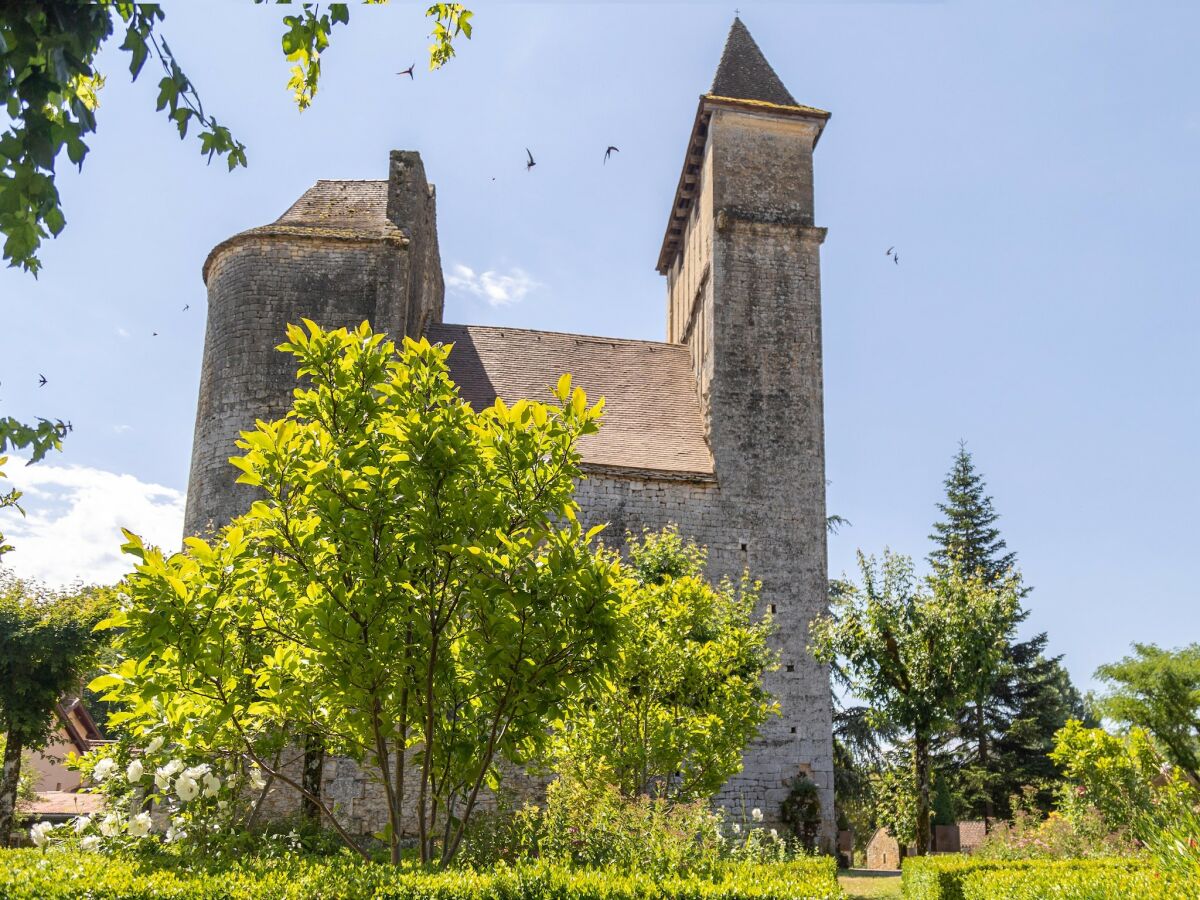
(742, 259)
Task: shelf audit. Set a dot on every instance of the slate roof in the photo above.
(652, 419)
(745, 74)
(355, 205)
(341, 210)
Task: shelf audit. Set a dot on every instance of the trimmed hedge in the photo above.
(62, 874)
(1075, 882)
(945, 877)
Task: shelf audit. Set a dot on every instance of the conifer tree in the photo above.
(1004, 734)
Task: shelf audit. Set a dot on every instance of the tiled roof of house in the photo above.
(744, 72)
(652, 418)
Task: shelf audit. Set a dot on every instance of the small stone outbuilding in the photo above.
(884, 852)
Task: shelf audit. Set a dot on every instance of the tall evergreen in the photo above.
(1003, 736)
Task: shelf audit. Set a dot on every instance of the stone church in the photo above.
(718, 428)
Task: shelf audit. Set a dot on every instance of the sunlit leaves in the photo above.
(39, 440)
(404, 582)
(686, 695)
(449, 21)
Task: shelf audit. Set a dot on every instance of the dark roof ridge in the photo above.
(666, 345)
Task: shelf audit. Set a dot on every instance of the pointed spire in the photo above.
(745, 74)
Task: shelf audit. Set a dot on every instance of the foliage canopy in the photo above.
(47, 643)
(413, 585)
(686, 695)
(915, 651)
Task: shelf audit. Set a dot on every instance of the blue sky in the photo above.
(1034, 163)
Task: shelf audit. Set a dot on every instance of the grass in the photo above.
(864, 884)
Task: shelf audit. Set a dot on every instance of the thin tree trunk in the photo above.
(423, 822)
(9, 782)
(314, 767)
(921, 769)
(989, 808)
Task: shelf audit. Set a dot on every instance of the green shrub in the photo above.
(588, 823)
(59, 875)
(944, 877)
(1080, 881)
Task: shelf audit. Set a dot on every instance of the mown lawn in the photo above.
(864, 884)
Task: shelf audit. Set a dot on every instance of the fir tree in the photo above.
(1003, 736)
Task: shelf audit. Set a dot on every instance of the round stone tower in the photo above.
(345, 252)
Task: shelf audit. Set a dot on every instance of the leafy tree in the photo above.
(1005, 732)
(413, 585)
(1159, 691)
(914, 651)
(686, 696)
(47, 642)
(49, 84)
(1111, 774)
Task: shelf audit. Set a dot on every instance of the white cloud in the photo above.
(121, 332)
(73, 520)
(494, 288)
(121, 429)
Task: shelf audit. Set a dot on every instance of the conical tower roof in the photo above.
(745, 74)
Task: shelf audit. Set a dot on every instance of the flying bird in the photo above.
(529, 165)
(894, 255)
(186, 307)
(889, 252)
(409, 72)
(154, 334)
(41, 380)
(610, 151)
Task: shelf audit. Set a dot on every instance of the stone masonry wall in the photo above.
(255, 289)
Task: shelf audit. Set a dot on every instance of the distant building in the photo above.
(76, 733)
(884, 852)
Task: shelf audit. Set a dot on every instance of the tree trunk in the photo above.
(989, 808)
(921, 770)
(9, 781)
(314, 767)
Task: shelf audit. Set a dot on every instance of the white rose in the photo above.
(186, 788)
(154, 746)
(756, 814)
(139, 825)
(774, 834)
(81, 824)
(40, 833)
(197, 772)
(162, 775)
(104, 768)
(175, 834)
(90, 843)
(212, 785)
(135, 771)
(110, 825)
(737, 829)
(256, 779)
